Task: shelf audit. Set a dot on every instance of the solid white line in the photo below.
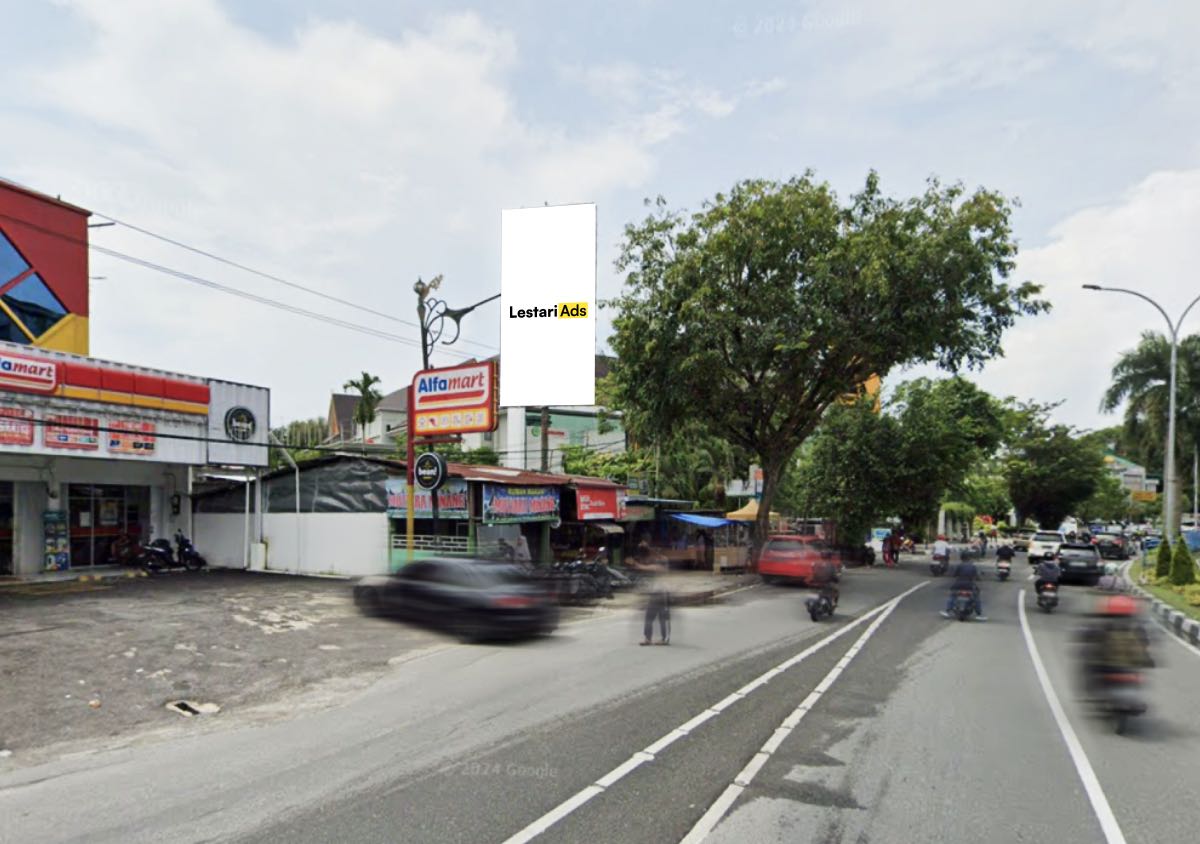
(1104, 812)
(709, 820)
(1171, 634)
(556, 814)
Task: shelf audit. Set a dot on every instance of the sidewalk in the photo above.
(90, 573)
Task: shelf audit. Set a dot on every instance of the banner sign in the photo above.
(131, 438)
(16, 426)
(452, 500)
(23, 374)
(598, 503)
(455, 400)
(75, 432)
(519, 503)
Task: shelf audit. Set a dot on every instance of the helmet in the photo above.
(942, 537)
(1110, 569)
(1118, 605)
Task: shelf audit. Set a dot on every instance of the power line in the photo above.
(272, 277)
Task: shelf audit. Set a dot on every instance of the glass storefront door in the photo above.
(6, 528)
(101, 513)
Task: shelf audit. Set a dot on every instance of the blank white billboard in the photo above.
(548, 306)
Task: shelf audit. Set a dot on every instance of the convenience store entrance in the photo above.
(101, 513)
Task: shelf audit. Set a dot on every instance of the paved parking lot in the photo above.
(84, 663)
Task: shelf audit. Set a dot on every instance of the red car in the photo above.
(790, 557)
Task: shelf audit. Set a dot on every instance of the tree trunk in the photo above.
(771, 469)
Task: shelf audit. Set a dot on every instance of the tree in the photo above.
(1163, 562)
(986, 491)
(618, 467)
(1140, 379)
(303, 435)
(1050, 471)
(753, 315)
(1183, 569)
(368, 400)
(1109, 502)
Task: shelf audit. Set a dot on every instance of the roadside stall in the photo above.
(717, 542)
(592, 510)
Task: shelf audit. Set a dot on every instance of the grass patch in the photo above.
(1187, 601)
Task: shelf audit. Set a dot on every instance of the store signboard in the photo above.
(598, 503)
(502, 504)
(16, 426)
(452, 500)
(81, 433)
(130, 438)
(26, 374)
(455, 400)
(238, 424)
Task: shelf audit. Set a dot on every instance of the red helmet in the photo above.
(942, 536)
(1119, 605)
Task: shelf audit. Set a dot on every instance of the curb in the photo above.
(1176, 622)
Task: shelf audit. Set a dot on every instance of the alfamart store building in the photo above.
(89, 449)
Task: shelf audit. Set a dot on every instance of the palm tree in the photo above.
(1140, 379)
(368, 400)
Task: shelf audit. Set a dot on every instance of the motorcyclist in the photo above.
(1005, 552)
(966, 576)
(825, 579)
(1116, 642)
(941, 549)
(1047, 572)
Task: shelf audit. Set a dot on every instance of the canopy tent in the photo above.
(749, 513)
(702, 521)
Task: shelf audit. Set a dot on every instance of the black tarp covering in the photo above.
(342, 485)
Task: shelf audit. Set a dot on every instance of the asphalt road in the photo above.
(904, 727)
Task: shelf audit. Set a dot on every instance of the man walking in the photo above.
(658, 599)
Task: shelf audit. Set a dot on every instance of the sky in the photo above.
(355, 146)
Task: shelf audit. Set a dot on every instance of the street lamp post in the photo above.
(1173, 334)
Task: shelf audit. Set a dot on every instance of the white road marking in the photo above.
(741, 782)
(614, 776)
(1104, 812)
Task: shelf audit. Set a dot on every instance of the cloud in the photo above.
(334, 156)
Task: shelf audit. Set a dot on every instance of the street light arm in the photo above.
(1183, 316)
(1143, 297)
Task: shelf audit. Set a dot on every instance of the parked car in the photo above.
(1044, 543)
(1021, 539)
(474, 599)
(1112, 546)
(1080, 563)
(790, 557)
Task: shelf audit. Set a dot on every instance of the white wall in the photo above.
(352, 544)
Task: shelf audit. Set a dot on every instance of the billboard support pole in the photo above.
(409, 502)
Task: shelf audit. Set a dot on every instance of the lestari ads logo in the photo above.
(563, 310)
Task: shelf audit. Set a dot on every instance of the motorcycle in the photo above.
(939, 565)
(1003, 569)
(157, 555)
(186, 553)
(964, 603)
(819, 606)
(1047, 598)
(1121, 698)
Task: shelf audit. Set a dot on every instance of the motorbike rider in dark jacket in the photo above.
(825, 579)
(1047, 572)
(966, 576)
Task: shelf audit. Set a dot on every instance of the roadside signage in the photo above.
(598, 503)
(452, 500)
(455, 400)
(16, 426)
(74, 432)
(503, 504)
(126, 437)
(27, 374)
(430, 470)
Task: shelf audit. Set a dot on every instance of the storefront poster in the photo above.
(57, 554)
(16, 426)
(452, 500)
(598, 503)
(110, 512)
(520, 503)
(76, 432)
(125, 437)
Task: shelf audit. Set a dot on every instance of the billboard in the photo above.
(238, 424)
(453, 500)
(455, 400)
(505, 504)
(548, 306)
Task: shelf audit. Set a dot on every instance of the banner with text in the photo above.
(452, 500)
(520, 504)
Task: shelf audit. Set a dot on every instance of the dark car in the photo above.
(1112, 546)
(1080, 563)
(474, 599)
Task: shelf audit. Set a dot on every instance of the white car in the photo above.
(1045, 543)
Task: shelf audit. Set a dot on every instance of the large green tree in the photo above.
(751, 316)
(1140, 381)
(1109, 502)
(1051, 471)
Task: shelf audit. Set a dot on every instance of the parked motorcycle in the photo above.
(157, 555)
(186, 553)
(1047, 598)
(1003, 569)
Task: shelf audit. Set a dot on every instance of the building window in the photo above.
(10, 332)
(33, 303)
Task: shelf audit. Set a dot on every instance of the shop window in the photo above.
(10, 332)
(11, 262)
(35, 305)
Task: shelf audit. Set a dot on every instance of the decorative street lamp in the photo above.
(1173, 329)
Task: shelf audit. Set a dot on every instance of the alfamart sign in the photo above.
(456, 400)
(23, 373)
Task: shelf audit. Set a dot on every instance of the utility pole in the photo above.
(545, 425)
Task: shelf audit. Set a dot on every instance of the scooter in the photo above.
(1121, 698)
(157, 555)
(1003, 569)
(1047, 599)
(819, 606)
(186, 553)
(964, 603)
(939, 565)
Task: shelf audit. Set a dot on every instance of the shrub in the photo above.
(1162, 563)
(1191, 594)
(1183, 569)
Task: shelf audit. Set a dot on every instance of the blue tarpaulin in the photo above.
(703, 521)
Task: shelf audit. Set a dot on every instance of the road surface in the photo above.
(887, 723)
